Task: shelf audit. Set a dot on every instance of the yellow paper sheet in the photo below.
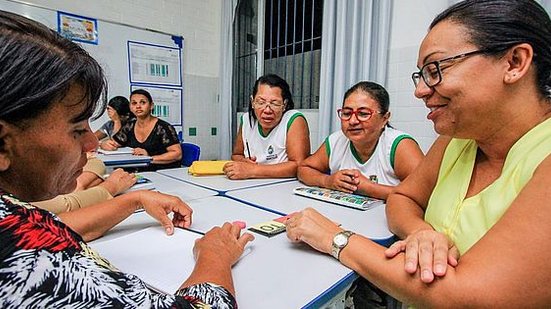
(202, 168)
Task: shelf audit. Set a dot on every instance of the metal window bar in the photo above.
(302, 49)
(293, 44)
(282, 52)
(244, 67)
(311, 56)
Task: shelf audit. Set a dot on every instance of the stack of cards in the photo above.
(271, 228)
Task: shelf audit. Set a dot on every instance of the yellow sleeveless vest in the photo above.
(465, 221)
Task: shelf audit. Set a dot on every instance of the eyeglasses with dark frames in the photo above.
(362, 114)
(432, 71)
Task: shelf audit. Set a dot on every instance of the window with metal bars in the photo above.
(291, 48)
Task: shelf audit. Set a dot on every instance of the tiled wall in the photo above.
(408, 113)
(410, 21)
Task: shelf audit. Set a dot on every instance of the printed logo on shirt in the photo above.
(373, 178)
(271, 155)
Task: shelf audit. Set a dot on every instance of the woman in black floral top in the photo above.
(51, 87)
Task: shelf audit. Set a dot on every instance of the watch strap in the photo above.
(336, 249)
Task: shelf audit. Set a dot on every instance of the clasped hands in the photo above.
(346, 180)
(428, 251)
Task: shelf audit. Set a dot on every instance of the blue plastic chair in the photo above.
(190, 153)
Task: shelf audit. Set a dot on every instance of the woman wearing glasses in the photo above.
(273, 138)
(475, 217)
(45, 261)
(366, 156)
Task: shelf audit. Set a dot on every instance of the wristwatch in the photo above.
(340, 240)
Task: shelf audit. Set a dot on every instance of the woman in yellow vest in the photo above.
(475, 217)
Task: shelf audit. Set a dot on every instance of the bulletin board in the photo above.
(110, 44)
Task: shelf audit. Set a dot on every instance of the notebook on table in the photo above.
(119, 151)
(359, 202)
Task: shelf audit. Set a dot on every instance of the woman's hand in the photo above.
(344, 180)
(109, 145)
(140, 152)
(239, 169)
(223, 243)
(118, 182)
(159, 205)
(427, 250)
(312, 228)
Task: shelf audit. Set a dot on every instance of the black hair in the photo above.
(143, 92)
(272, 80)
(375, 91)
(497, 25)
(37, 68)
(121, 105)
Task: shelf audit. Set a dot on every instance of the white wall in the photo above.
(410, 21)
(199, 23)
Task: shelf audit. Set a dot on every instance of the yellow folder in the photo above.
(202, 168)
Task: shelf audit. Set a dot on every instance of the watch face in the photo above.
(340, 240)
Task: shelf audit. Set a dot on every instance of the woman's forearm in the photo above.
(92, 222)
(404, 216)
(311, 176)
(374, 190)
(211, 269)
(167, 157)
(280, 170)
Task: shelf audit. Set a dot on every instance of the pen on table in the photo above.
(247, 147)
(190, 230)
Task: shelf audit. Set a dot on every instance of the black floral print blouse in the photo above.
(45, 264)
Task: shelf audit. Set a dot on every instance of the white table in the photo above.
(140, 220)
(213, 211)
(275, 274)
(279, 197)
(219, 182)
(134, 223)
(184, 190)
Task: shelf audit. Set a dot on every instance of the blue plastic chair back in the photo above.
(190, 153)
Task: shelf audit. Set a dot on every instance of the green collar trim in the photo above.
(356, 154)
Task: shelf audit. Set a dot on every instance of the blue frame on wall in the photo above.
(86, 32)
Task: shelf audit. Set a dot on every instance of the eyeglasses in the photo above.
(362, 114)
(432, 71)
(274, 105)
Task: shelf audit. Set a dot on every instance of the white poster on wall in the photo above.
(154, 64)
(167, 103)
